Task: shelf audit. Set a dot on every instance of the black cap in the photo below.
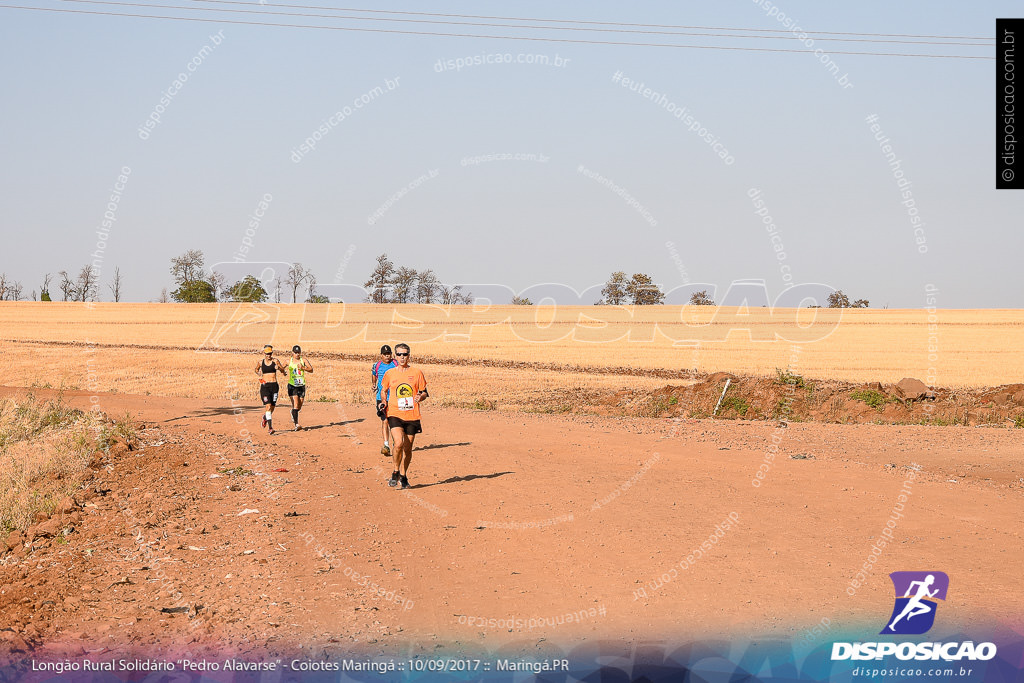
(296, 349)
(385, 349)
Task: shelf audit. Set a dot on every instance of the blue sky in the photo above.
(78, 87)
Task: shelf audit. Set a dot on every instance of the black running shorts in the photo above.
(408, 426)
(297, 391)
(268, 393)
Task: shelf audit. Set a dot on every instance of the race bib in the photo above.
(299, 380)
(404, 394)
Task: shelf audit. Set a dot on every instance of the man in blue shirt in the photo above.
(385, 363)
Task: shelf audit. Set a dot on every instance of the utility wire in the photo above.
(488, 25)
(473, 35)
(598, 23)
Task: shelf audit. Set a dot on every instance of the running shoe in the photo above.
(296, 427)
(405, 482)
(271, 430)
(264, 423)
(385, 451)
(393, 481)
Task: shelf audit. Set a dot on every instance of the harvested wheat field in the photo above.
(968, 348)
(562, 491)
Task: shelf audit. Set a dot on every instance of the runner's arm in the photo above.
(306, 364)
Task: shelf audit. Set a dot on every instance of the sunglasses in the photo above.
(401, 354)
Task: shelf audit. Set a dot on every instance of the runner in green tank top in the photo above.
(297, 369)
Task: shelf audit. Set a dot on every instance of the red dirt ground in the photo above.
(511, 516)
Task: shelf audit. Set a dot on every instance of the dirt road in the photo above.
(519, 527)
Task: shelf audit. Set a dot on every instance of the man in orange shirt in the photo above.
(403, 389)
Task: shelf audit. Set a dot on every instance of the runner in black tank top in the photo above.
(269, 388)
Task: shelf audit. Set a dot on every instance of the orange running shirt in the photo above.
(401, 386)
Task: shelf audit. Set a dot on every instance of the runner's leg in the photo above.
(407, 450)
(396, 434)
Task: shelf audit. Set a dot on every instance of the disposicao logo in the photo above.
(917, 594)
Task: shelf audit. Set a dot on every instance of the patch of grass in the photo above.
(549, 410)
(836, 405)
(783, 408)
(28, 418)
(124, 429)
(875, 399)
(654, 406)
(43, 445)
(325, 399)
(484, 404)
(735, 403)
(787, 377)
(1018, 422)
(237, 471)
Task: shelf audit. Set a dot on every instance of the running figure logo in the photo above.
(916, 601)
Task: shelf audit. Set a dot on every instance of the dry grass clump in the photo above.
(44, 445)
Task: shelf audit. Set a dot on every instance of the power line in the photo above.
(598, 23)
(463, 23)
(473, 35)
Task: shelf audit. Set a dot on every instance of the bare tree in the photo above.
(453, 296)
(163, 296)
(380, 280)
(427, 286)
(277, 289)
(218, 280)
(3, 286)
(35, 297)
(14, 291)
(67, 286)
(87, 284)
(297, 275)
(403, 285)
(115, 286)
(449, 295)
(311, 289)
(44, 289)
(188, 267)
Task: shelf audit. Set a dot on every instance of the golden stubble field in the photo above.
(194, 349)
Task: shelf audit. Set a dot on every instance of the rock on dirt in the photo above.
(910, 388)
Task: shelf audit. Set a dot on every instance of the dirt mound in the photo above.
(791, 397)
